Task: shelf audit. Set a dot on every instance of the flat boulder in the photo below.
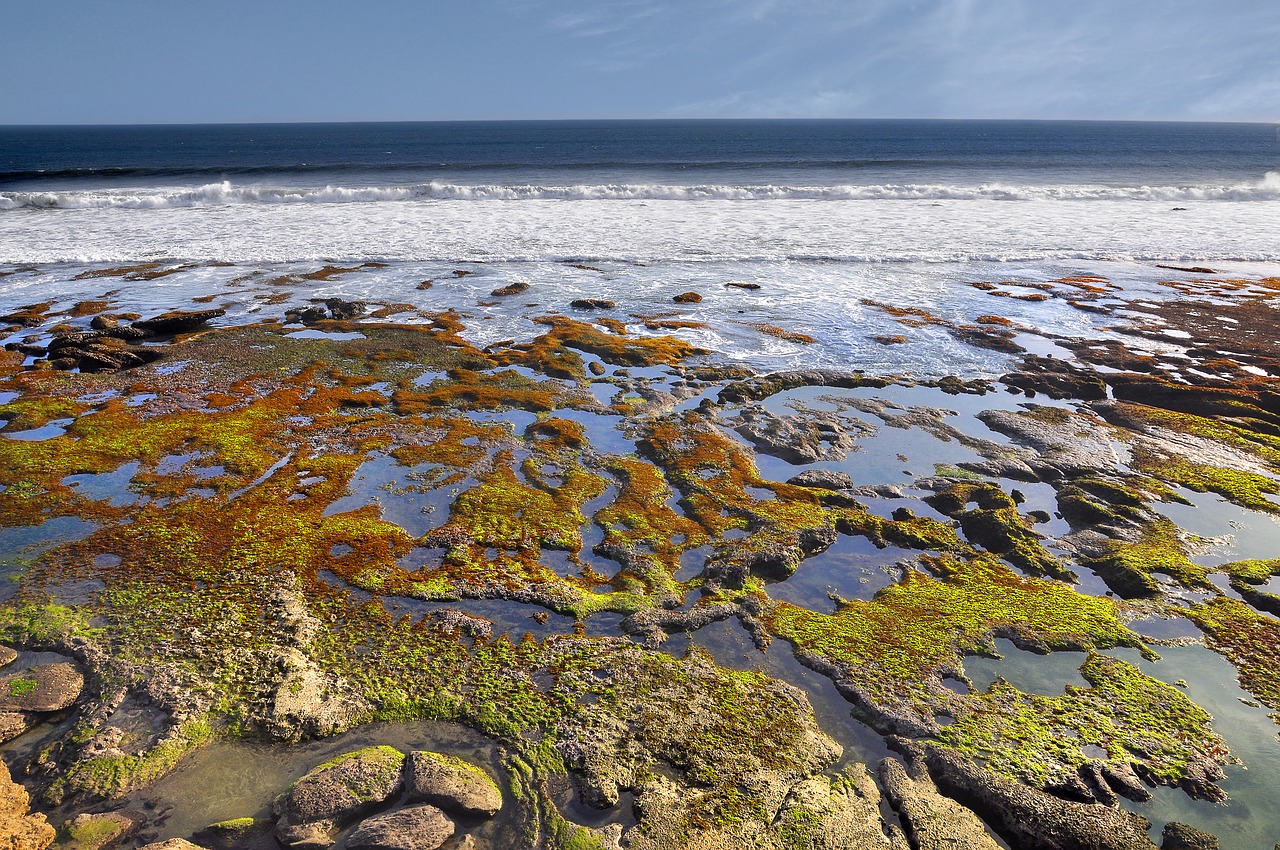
(335, 793)
(176, 321)
(48, 687)
(591, 304)
(453, 784)
(687, 298)
(413, 828)
(822, 479)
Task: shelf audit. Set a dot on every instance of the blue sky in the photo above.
(148, 61)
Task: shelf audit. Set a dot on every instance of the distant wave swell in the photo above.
(227, 193)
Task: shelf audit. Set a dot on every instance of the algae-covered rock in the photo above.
(840, 812)
(453, 784)
(311, 703)
(335, 793)
(231, 833)
(99, 831)
(48, 687)
(18, 829)
(412, 828)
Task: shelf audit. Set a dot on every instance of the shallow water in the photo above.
(1047, 675)
(1247, 820)
(231, 779)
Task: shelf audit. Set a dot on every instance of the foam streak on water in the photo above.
(939, 231)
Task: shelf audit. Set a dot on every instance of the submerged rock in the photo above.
(336, 793)
(101, 830)
(48, 687)
(591, 304)
(13, 724)
(413, 828)
(1180, 836)
(453, 784)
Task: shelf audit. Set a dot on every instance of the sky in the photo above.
(181, 61)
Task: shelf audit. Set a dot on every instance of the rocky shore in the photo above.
(250, 534)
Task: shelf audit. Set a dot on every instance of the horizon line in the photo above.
(617, 120)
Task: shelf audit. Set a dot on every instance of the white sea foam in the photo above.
(225, 193)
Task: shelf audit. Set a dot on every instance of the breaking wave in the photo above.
(227, 193)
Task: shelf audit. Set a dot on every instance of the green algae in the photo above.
(1128, 568)
(1134, 718)
(1250, 640)
(196, 575)
(996, 525)
(112, 776)
(915, 627)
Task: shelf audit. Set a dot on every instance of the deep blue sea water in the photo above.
(782, 153)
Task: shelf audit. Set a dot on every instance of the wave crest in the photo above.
(225, 193)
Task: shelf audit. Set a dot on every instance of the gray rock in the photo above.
(826, 479)
(48, 687)
(1179, 836)
(344, 310)
(1030, 819)
(840, 813)
(805, 437)
(415, 828)
(335, 793)
(452, 784)
(931, 821)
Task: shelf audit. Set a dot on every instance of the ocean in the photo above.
(869, 245)
(826, 213)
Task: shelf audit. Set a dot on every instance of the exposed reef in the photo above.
(273, 535)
